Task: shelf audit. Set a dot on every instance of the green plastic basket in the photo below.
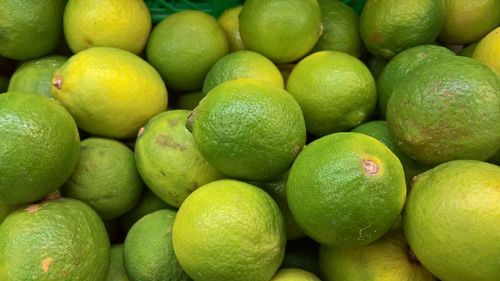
(161, 8)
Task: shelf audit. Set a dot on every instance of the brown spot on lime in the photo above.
(190, 120)
(377, 37)
(33, 208)
(46, 264)
(296, 150)
(53, 196)
(320, 30)
(57, 82)
(141, 131)
(167, 141)
(173, 122)
(370, 167)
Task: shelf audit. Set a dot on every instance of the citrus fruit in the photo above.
(184, 46)
(387, 259)
(5, 210)
(229, 231)
(346, 189)
(105, 178)
(248, 130)
(402, 66)
(110, 92)
(168, 160)
(282, 30)
(467, 21)
(242, 64)
(39, 147)
(447, 110)
(390, 26)
(451, 220)
(302, 253)
(340, 29)
(277, 190)
(30, 29)
(116, 269)
(148, 203)
(60, 239)
(35, 76)
(488, 50)
(230, 23)
(123, 24)
(294, 274)
(190, 100)
(336, 91)
(148, 254)
(468, 51)
(379, 129)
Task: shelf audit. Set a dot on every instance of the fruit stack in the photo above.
(283, 140)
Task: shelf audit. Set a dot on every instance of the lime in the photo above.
(451, 220)
(110, 92)
(116, 268)
(105, 178)
(390, 26)
(230, 23)
(35, 76)
(282, 30)
(39, 147)
(168, 160)
(336, 91)
(447, 110)
(229, 230)
(294, 274)
(59, 239)
(242, 64)
(248, 129)
(346, 189)
(488, 50)
(184, 46)
(123, 24)
(148, 254)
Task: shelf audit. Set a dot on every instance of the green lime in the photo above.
(116, 268)
(294, 274)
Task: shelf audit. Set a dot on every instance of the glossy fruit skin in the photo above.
(450, 220)
(248, 130)
(60, 239)
(30, 29)
(282, 30)
(446, 111)
(39, 147)
(390, 26)
(488, 50)
(229, 230)
(346, 189)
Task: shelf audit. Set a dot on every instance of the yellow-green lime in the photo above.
(248, 129)
(229, 231)
(336, 91)
(105, 178)
(294, 274)
(123, 24)
(110, 92)
(390, 26)
(184, 46)
(340, 28)
(148, 203)
(189, 101)
(468, 21)
(243, 64)
(35, 76)
(402, 66)
(346, 189)
(168, 159)
(451, 220)
(5, 210)
(148, 254)
(488, 50)
(387, 259)
(230, 23)
(277, 190)
(447, 110)
(39, 147)
(58, 239)
(30, 29)
(282, 30)
(116, 268)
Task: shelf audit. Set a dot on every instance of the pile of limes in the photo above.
(284, 140)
